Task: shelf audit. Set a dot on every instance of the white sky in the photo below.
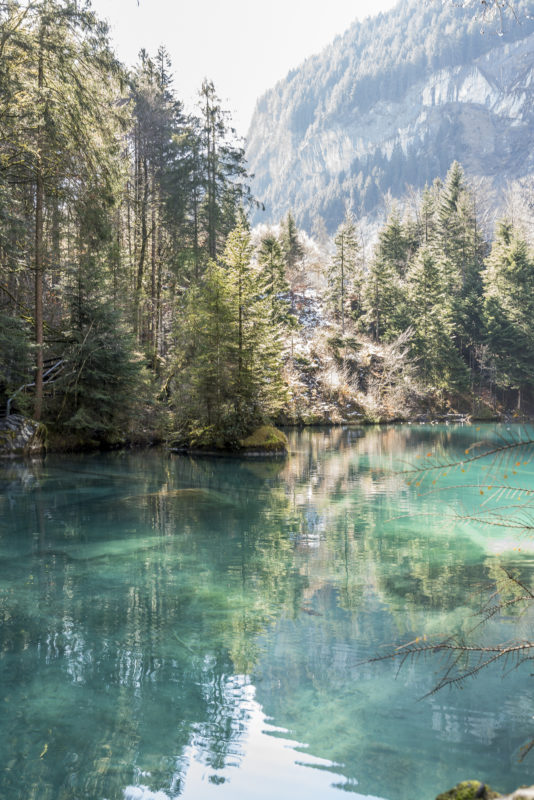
(244, 46)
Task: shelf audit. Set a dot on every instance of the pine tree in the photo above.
(273, 273)
(258, 388)
(461, 247)
(60, 125)
(98, 387)
(222, 162)
(206, 360)
(290, 243)
(384, 301)
(394, 243)
(229, 355)
(344, 275)
(509, 309)
(432, 321)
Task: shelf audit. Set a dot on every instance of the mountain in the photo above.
(391, 103)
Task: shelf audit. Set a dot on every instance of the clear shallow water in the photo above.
(172, 627)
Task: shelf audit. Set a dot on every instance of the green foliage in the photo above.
(460, 244)
(432, 319)
(228, 358)
(289, 241)
(15, 360)
(99, 387)
(272, 267)
(345, 276)
(509, 308)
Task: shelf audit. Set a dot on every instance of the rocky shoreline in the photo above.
(22, 436)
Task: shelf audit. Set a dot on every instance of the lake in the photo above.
(202, 628)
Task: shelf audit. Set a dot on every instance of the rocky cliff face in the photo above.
(393, 102)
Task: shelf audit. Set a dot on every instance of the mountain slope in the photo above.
(392, 102)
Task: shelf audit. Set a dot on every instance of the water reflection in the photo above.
(142, 597)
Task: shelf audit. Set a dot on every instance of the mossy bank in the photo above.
(475, 790)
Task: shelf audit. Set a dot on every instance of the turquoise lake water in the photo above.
(201, 628)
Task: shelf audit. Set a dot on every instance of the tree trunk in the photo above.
(39, 203)
(141, 264)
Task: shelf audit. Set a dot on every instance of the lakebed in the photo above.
(182, 627)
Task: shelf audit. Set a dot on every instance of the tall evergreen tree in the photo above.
(61, 125)
(509, 309)
(432, 320)
(205, 360)
(258, 389)
(462, 248)
(229, 355)
(273, 272)
(344, 276)
(223, 170)
(290, 243)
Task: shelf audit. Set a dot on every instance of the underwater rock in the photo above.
(469, 790)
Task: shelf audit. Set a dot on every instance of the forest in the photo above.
(137, 304)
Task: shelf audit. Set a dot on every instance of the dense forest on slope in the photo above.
(137, 304)
(391, 104)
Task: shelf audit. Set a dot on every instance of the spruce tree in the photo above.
(258, 389)
(228, 363)
(290, 243)
(509, 309)
(60, 124)
(344, 276)
(432, 320)
(462, 248)
(273, 273)
(205, 360)
(394, 243)
(224, 173)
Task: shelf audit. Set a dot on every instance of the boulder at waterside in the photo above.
(264, 441)
(20, 436)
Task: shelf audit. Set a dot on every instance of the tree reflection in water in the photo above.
(142, 595)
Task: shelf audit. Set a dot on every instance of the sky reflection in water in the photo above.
(175, 627)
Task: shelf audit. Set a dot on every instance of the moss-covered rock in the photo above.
(469, 790)
(266, 440)
(20, 436)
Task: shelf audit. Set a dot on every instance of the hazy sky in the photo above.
(244, 46)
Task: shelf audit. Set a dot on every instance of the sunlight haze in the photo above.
(244, 47)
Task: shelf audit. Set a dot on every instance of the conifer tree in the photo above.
(229, 355)
(509, 309)
(60, 122)
(98, 385)
(205, 364)
(289, 241)
(461, 247)
(383, 300)
(258, 389)
(344, 277)
(224, 174)
(273, 272)
(394, 243)
(432, 321)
